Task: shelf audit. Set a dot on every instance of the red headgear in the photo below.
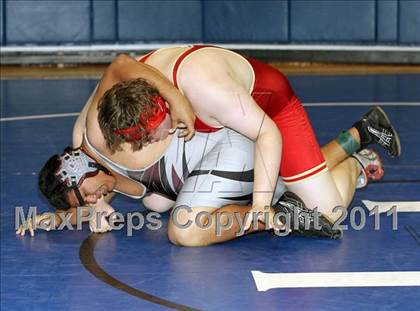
(145, 124)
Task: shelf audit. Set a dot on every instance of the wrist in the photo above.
(57, 220)
(170, 93)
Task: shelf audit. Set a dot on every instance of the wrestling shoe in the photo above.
(375, 127)
(303, 221)
(371, 167)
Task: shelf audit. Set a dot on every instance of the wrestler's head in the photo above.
(133, 112)
(74, 179)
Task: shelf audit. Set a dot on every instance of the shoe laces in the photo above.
(384, 136)
(300, 209)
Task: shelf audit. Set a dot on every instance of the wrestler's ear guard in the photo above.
(75, 166)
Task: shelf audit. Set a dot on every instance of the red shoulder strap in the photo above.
(199, 125)
(145, 57)
(182, 57)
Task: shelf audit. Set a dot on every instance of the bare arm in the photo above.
(52, 221)
(98, 206)
(79, 126)
(224, 101)
(125, 68)
(158, 203)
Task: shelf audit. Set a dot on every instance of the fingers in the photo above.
(183, 133)
(260, 213)
(93, 226)
(22, 230)
(31, 229)
(43, 217)
(46, 224)
(45, 221)
(26, 226)
(174, 126)
(19, 230)
(101, 228)
(277, 227)
(190, 128)
(109, 210)
(190, 134)
(187, 129)
(248, 220)
(113, 217)
(186, 133)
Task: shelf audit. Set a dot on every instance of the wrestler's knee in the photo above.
(190, 236)
(173, 234)
(183, 229)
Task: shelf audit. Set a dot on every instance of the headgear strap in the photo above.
(145, 124)
(75, 167)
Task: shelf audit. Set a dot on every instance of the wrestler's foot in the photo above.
(375, 127)
(291, 204)
(371, 167)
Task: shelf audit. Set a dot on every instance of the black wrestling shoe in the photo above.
(316, 224)
(375, 127)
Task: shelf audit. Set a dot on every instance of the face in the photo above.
(93, 188)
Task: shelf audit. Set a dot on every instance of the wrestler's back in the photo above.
(126, 156)
(204, 59)
(164, 60)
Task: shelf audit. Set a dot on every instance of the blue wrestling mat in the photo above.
(82, 271)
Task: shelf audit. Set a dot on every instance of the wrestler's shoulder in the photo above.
(93, 132)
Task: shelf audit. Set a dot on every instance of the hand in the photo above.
(99, 223)
(264, 214)
(183, 117)
(45, 221)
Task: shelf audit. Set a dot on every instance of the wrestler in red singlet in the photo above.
(301, 154)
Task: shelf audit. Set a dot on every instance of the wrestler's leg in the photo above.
(318, 186)
(192, 224)
(320, 192)
(330, 188)
(334, 153)
(219, 190)
(345, 178)
(344, 169)
(348, 144)
(229, 219)
(373, 128)
(304, 169)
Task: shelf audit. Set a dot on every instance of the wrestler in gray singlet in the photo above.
(211, 170)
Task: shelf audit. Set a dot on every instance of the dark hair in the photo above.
(121, 107)
(51, 185)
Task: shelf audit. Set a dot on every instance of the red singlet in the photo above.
(301, 154)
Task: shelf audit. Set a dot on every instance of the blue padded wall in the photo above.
(48, 21)
(336, 21)
(409, 21)
(387, 21)
(250, 21)
(2, 22)
(215, 21)
(104, 17)
(159, 20)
